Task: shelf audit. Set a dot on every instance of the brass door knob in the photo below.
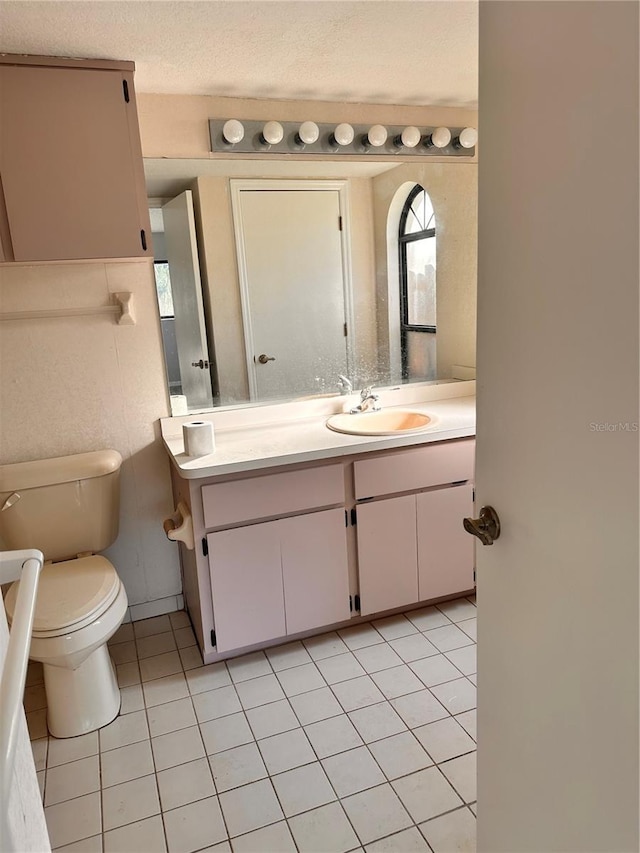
(263, 359)
(486, 528)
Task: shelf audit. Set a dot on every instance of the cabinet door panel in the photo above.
(246, 585)
(445, 549)
(387, 554)
(315, 571)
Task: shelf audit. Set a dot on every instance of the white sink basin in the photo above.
(386, 422)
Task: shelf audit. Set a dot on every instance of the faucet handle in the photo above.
(366, 392)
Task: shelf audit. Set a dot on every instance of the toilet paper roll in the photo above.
(198, 438)
(178, 405)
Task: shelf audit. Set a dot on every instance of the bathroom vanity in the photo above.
(296, 529)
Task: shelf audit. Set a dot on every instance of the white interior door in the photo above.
(186, 289)
(557, 449)
(291, 269)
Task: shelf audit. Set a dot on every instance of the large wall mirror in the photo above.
(282, 279)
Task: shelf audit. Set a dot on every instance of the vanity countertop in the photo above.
(255, 446)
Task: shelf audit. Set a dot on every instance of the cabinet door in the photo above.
(246, 585)
(70, 164)
(387, 554)
(314, 569)
(445, 550)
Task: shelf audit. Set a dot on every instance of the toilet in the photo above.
(68, 508)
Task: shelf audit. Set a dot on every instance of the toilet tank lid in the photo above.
(62, 469)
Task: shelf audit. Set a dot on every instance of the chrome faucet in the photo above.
(368, 402)
(344, 384)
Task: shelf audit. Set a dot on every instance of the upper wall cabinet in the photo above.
(72, 181)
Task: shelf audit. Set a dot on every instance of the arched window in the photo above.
(417, 244)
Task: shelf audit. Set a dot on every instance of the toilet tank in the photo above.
(63, 506)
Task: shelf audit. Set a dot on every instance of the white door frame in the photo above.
(342, 188)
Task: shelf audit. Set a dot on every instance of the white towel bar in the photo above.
(122, 310)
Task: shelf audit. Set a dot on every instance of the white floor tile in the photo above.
(315, 706)
(177, 748)
(322, 830)
(40, 776)
(464, 659)
(190, 658)
(468, 722)
(434, 670)
(286, 751)
(376, 722)
(357, 693)
(249, 666)
(72, 780)
(272, 719)
(73, 820)
(209, 677)
(164, 690)
(285, 657)
(155, 625)
(131, 699)
(376, 813)
(124, 730)
(461, 772)
(301, 679)
(447, 638)
(340, 668)
(130, 802)
(445, 739)
(216, 703)
(393, 627)
(160, 666)
(397, 681)
(470, 627)
(456, 696)
(360, 636)
(427, 618)
(156, 644)
(325, 646)
(455, 831)
(143, 835)
(417, 709)
(128, 674)
(259, 691)
(71, 749)
(407, 841)
(185, 637)
(237, 766)
(303, 788)
(473, 679)
(353, 771)
(170, 717)
(39, 749)
(87, 845)
(400, 755)
(225, 733)
(37, 724)
(458, 610)
(126, 763)
(376, 658)
(124, 634)
(185, 784)
(123, 653)
(194, 826)
(337, 734)
(413, 647)
(474, 808)
(34, 698)
(179, 619)
(276, 838)
(426, 794)
(250, 807)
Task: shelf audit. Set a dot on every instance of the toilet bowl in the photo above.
(68, 506)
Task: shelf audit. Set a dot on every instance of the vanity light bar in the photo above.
(233, 136)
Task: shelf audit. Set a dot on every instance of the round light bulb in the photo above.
(468, 137)
(272, 132)
(440, 137)
(410, 137)
(376, 136)
(343, 134)
(233, 131)
(308, 132)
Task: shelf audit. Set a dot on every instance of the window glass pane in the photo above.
(163, 287)
(421, 282)
(421, 215)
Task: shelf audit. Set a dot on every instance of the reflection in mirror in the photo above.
(286, 275)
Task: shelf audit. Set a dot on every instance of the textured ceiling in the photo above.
(421, 52)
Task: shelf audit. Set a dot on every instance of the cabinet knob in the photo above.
(486, 528)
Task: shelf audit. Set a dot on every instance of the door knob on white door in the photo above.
(263, 359)
(486, 528)
(203, 364)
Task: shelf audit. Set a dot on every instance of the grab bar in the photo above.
(24, 566)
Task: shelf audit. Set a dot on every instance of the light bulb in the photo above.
(308, 133)
(343, 134)
(439, 138)
(272, 132)
(233, 131)
(467, 138)
(410, 137)
(376, 136)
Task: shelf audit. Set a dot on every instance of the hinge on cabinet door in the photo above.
(143, 240)
(356, 603)
(473, 494)
(350, 604)
(213, 638)
(125, 89)
(346, 332)
(474, 575)
(346, 519)
(205, 547)
(354, 517)
(339, 223)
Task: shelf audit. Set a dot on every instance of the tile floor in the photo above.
(362, 739)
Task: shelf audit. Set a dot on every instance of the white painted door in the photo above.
(445, 551)
(186, 289)
(557, 446)
(291, 263)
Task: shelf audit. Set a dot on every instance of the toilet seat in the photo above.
(71, 595)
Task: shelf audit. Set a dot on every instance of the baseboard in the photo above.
(158, 607)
